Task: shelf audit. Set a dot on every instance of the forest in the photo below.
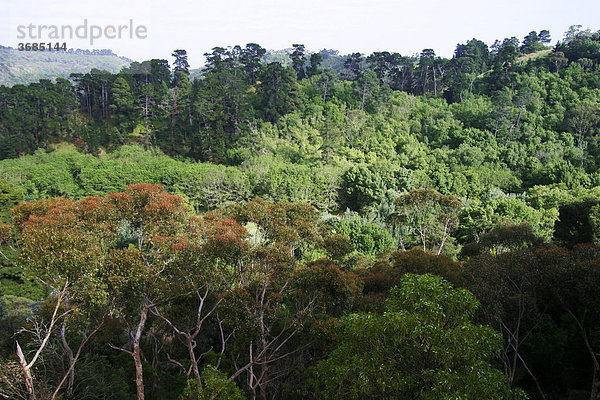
(306, 225)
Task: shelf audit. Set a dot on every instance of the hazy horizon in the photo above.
(406, 27)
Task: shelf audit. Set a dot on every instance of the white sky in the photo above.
(405, 26)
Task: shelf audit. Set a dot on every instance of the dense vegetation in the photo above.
(306, 225)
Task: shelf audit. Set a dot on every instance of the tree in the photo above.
(264, 324)
(298, 60)
(558, 59)
(292, 225)
(58, 251)
(223, 106)
(423, 347)
(507, 286)
(213, 253)
(367, 86)
(584, 121)
(277, 91)
(9, 197)
(429, 218)
(123, 104)
(367, 238)
(113, 253)
(323, 284)
(180, 66)
(544, 36)
(315, 61)
(504, 237)
(430, 71)
(505, 55)
(531, 43)
(251, 58)
(353, 66)
(573, 279)
(379, 62)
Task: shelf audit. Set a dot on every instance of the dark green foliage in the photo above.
(423, 347)
(277, 91)
(576, 223)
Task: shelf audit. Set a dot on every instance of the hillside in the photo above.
(297, 225)
(23, 67)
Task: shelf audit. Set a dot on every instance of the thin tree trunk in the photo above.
(190, 345)
(71, 358)
(136, 353)
(364, 96)
(25, 366)
(26, 373)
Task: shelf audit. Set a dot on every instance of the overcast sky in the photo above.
(405, 26)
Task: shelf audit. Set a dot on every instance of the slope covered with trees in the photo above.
(25, 67)
(306, 225)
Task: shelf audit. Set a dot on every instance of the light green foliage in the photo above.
(9, 197)
(366, 237)
(426, 219)
(366, 183)
(482, 215)
(212, 384)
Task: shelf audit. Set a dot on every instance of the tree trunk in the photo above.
(71, 361)
(364, 96)
(26, 373)
(193, 360)
(595, 395)
(146, 117)
(136, 353)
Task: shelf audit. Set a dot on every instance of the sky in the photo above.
(404, 26)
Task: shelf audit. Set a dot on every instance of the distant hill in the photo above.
(331, 59)
(23, 67)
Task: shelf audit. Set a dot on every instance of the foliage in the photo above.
(423, 346)
(212, 384)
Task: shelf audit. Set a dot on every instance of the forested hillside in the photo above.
(293, 225)
(24, 67)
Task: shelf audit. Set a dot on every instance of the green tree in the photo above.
(423, 347)
(544, 36)
(180, 66)
(211, 385)
(353, 66)
(315, 61)
(429, 218)
(9, 197)
(277, 91)
(367, 86)
(251, 58)
(298, 60)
